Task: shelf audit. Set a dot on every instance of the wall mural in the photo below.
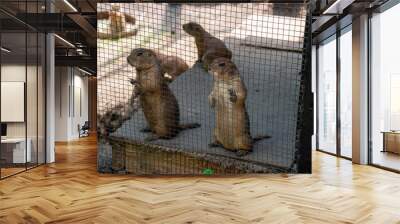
(200, 88)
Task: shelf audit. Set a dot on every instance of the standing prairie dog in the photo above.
(208, 46)
(118, 20)
(118, 23)
(228, 98)
(159, 104)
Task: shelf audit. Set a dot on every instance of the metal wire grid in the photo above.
(267, 43)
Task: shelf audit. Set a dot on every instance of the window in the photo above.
(334, 137)
(346, 75)
(394, 102)
(385, 89)
(22, 75)
(327, 96)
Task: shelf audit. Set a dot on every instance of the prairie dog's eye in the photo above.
(139, 54)
(222, 64)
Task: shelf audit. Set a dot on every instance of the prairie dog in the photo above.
(172, 66)
(118, 23)
(117, 20)
(228, 98)
(159, 104)
(208, 46)
(113, 118)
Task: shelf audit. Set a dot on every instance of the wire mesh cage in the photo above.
(192, 88)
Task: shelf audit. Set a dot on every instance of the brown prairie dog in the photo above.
(228, 98)
(159, 104)
(172, 66)
(208, 46)
(117, 20)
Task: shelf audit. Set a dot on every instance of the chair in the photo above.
(84, 130)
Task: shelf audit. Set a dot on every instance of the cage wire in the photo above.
(163, 109)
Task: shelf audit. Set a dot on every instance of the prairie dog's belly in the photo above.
(150, 104)
(231, 128)
(226, 118)
(117, 22)
(161, 111)
(222, 98)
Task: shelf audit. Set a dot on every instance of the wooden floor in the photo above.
(386, 159)
(5, 172)
(71, 191)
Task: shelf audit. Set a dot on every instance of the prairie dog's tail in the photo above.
(189, 126)
(260, 137)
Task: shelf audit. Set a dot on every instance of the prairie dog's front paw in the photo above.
(211, 101)
(232, 95)
(133, 81)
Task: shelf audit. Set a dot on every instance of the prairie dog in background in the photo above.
(118, 23)
(172, 66)
(208, 46)
(159, 104)
(228, 98)
(117, 20)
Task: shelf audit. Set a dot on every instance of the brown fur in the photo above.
(117, 20)
(103, 15)
(228, 98)
(172, 66)
(159, 104)
(208, 46)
